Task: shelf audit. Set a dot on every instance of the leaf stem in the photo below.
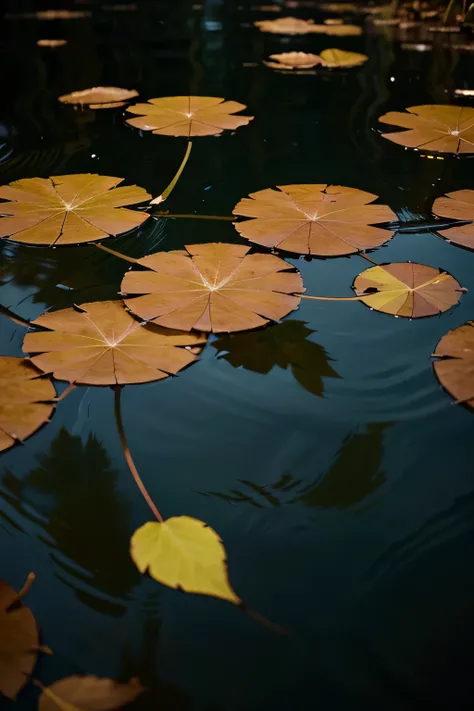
(167, 192)
(263, 620)
(5, 311)
(116, 254)
(364, 256)
(27, 586)
(70, 388)
(128, 456)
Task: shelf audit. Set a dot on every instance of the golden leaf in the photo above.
(51, 43)
(213, 287)
(102, 344)
(183, 553)
(87, 693)
(100, 97)
(338, 58)
(460, 205)
(25, 400)
(296, 26)
(68, 209)
(188, 116)
(407, 289)
(294, 60)
(433, 127)
(323, 220)
(455, 370)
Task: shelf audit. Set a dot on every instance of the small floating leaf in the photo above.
(338, 58)
(25, 400)
(322, 220)
(296, 26)
(87, 693)
(213, 287)
(455, 369)
(99, 97)
(19, 641)
(407, 289)
(184, 553)
(68, 209)
(294, 60)
(460, 205)
(51, 43)
(433, 127)
(188, 116)
(102, 344)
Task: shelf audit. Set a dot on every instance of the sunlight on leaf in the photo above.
(408, 290)
(460, 205)
(25, 400)
(100, 97)
(433, 127)
(51, 43)
(188, 116)
(19, 642)
(296, 26)
(338, 58)
(102, 344)
(68, 209)
(293, 60)
(213, 287)
(183, 553)
(87, 693)
(322, 220)
(455, 367)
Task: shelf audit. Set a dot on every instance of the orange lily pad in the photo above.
(99, 97)
(460, 205)
(455, 367)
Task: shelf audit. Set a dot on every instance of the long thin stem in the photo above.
(27, 586)
(167, 192)
(225, 218)
(364, 256)
(5, 311)
(70, 388)
(273, 626)
(116, 254)
(128, 456)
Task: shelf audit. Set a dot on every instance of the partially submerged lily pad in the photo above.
(407, 289)
(25, 401)
(340, 59)
(99, 97)
(188, 116)
(213, 287)
(87, 693)
(455, 367)
(102, 344)
(322, 220)
(293, 60)
(296, 26)
(460, 205)
(433, 127)
(68, 209)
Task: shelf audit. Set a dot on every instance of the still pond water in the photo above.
(324, 453)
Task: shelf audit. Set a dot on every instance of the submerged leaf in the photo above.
(294, 60)
(322, 220)
(433, 127)
(99, 97)
(338, 58)
(460, 205)
(188, 116)
(19, 642)
(102, 344)
(407, 289)
(183, 553)
(68, 209)
(25, 400)
(213, 287)
(88, 693)
(455, 369)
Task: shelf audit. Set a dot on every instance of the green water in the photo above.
(337, 473)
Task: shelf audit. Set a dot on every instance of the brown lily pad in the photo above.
(213, 287)
(25, 401)
(68, 209)
(455, 369)
(322, 220)
(293, 60)
(296, 26)
(433, 127)
(188, 116)
(407, 289)
(460, 205)
(53, 43)
(339, 59)
(102, 344)
(88, 693)
(99, 97)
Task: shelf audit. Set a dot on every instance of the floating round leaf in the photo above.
(183, 553)
(188, 116)
(338, 58)
(19, 642)
(293, 60)
(432, 127)
(87, 693)
(213, 287)
(51, 43)
(25, 400)
(100, 97)
(407, 289)
(323, 220)
(102, 344)
(296, 26)
(68, 209)
(455, 369)
(460, 205)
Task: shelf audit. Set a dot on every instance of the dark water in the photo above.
(340, 478)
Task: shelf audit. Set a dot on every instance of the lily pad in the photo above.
(407, 289)
(460, 205)
(102, 344)
(68, 209)
(87, 693)
(213, 287)
(455, 367)
(296, 26)
(52, 43)
(339, 59)
(99, 97)
(293, 60)
(322, 220)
